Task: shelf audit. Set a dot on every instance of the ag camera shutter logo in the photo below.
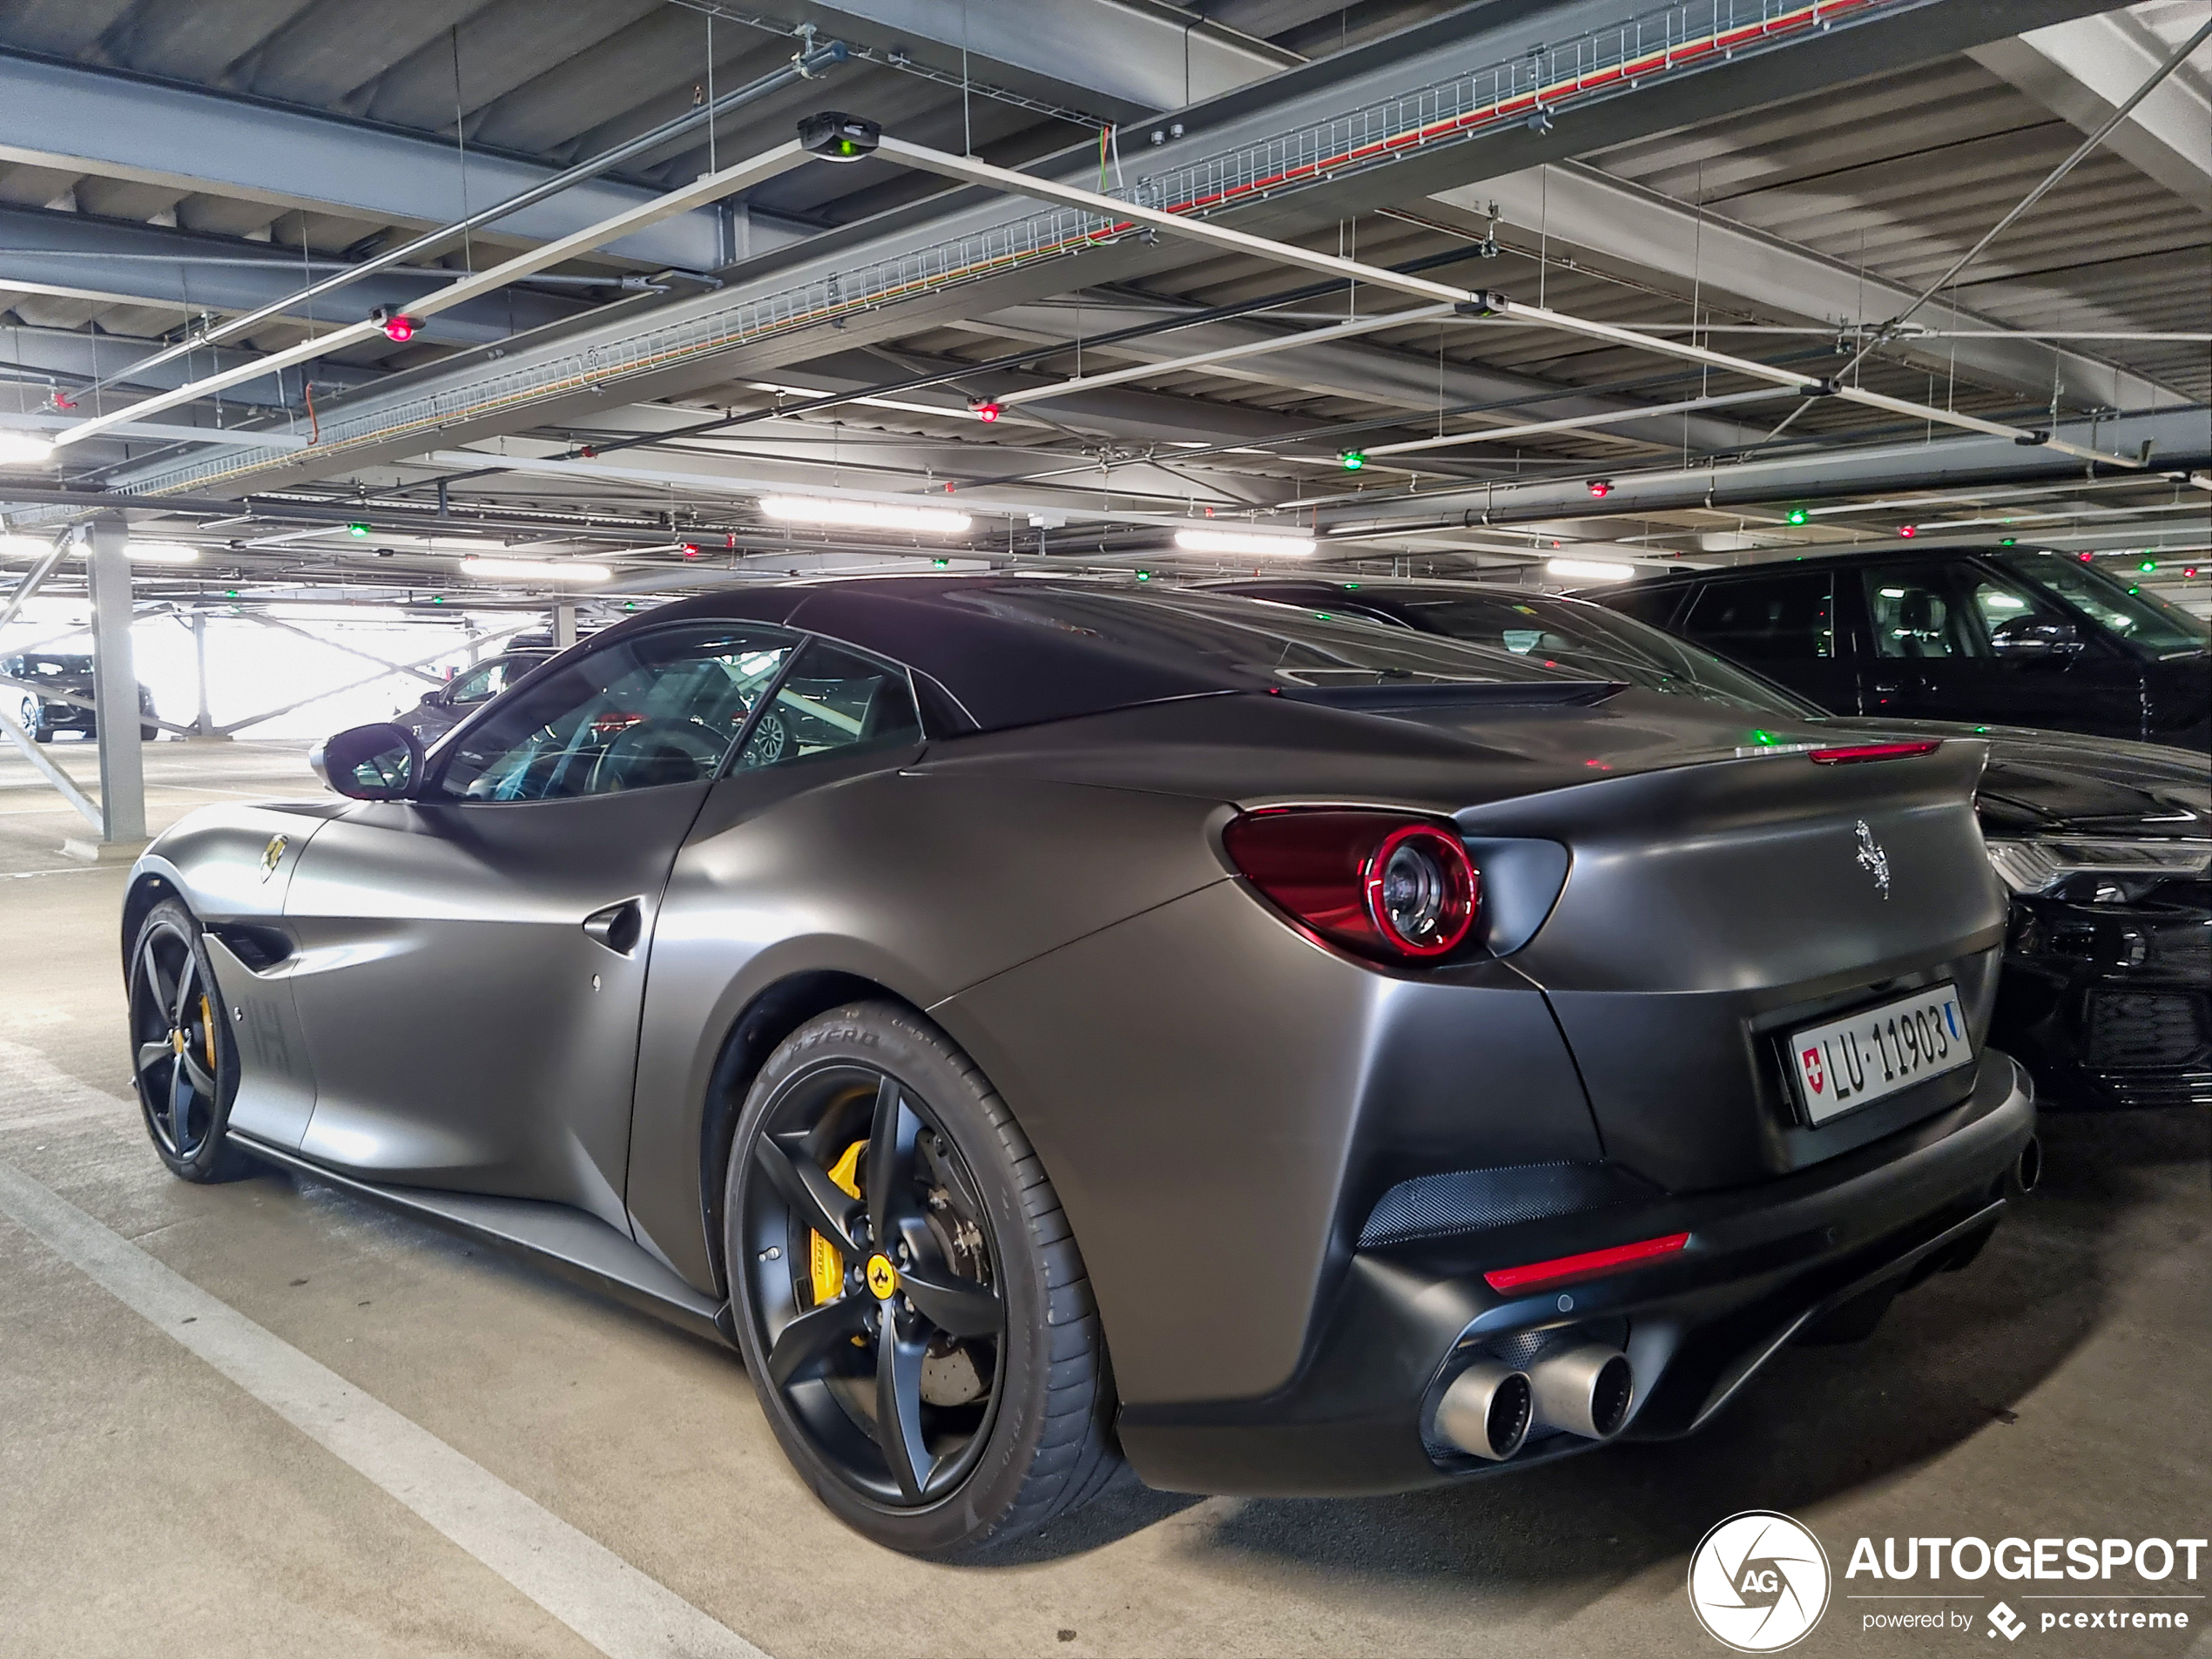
(1758, 1581)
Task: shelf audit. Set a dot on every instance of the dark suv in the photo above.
(1974, 633)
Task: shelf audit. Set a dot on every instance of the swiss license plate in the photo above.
(1856, 1060)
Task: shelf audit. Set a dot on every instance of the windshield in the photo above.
(2120, 608)
(1290, 646)
(54, 668)
(1588, 639)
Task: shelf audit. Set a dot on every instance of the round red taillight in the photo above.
(1421, 890)
(1368, 880)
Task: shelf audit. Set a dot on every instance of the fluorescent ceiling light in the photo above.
(1590, 570)
(1242, 542)
(493, 569)
(161, 552)
(876, 516)
(21, 450)
(25, 547)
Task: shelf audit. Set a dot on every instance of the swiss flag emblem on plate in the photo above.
(1814, 1079)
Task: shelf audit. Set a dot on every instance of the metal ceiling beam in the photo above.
(963, 253)
(1481, 302)
(2083, 69)
(1128, 60)
(79, 120)
(1580, 211)
(708, 188)
(73, 357)
(1379, 375)
(74, 256)
(2178, 438)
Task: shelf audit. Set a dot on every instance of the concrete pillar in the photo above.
(203, 723)
(123, 779)
(563, 627)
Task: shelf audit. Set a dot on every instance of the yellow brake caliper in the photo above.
(824, 1259)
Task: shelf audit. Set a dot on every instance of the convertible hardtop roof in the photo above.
(1017, 651)
(1004, 666)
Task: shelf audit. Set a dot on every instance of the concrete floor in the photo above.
(152, 1506)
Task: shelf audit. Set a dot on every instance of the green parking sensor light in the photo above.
(1352, 460)
(357, 531)
(834, 136)
(1796, 514)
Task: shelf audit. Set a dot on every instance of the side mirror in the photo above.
(2026, 639)
(379, 762)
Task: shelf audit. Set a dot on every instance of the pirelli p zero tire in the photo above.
(183, 1058)
(907, 1296)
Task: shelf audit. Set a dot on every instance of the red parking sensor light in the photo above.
(1600, 488)
(2086, 557)
(985, 410)
(690, 549)
(395, 326)
(1908, 529)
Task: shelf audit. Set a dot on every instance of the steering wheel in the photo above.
(656, 752)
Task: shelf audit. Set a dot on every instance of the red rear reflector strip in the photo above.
(1872, 752)
(1589, 1264)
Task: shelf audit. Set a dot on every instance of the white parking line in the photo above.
(603, 1598)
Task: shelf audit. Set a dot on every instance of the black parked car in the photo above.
(443, 708)
(1974, 633)
(43, 678)
(2105, 845)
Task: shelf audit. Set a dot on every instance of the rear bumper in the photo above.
(1763, 1263)
(2110, 1008)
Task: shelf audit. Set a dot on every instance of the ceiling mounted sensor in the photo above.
(1588, 571)
(835, 135)
(21, 450)
(498, 570)
(985, 410)
(396, 325)
(865, 515)
(1262, 542)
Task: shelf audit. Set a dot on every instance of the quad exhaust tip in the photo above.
(1487, 1410)
(1586, 1390)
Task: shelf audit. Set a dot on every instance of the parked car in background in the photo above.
(2107, 992)
(1996, 634)
(43, 679)
(443, 708)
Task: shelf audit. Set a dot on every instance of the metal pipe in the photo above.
(1228, 354)
(709, 187)
(1122, 216)
(801, 67)
(1613, 417)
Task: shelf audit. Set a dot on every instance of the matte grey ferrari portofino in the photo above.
(1040, 1023)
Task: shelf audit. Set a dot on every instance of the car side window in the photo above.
(485, 683)
(1916, 613)
(832, 700)
(653, 709)
(1767, 619)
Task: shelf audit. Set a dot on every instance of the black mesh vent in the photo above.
(1429, 1206)
(2128, 1029)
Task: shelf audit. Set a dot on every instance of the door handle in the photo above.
(619, 926)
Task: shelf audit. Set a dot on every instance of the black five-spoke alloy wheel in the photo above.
(899, 1268)
(182, 1056)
